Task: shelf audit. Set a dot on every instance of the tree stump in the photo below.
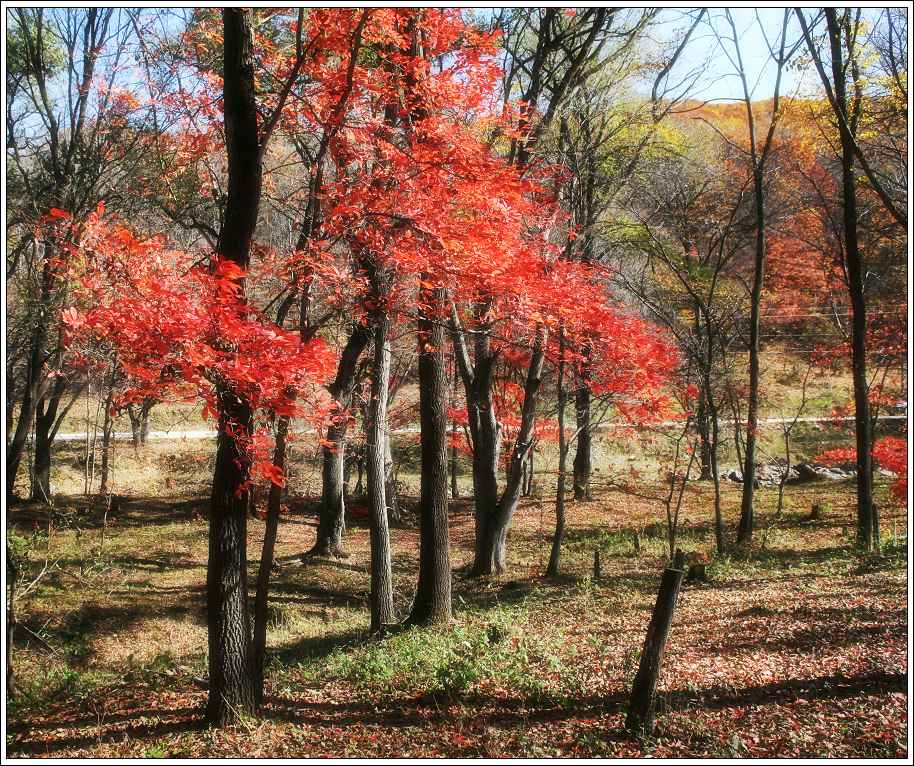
(640, 718)
(679, 559)
(697, 573)
(597, 569)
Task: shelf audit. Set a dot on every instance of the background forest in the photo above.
(368, 370)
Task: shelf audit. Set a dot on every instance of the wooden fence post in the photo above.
(640, 719)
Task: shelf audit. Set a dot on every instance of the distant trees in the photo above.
(69, 144)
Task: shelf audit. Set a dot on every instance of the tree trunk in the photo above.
(139, 421)
(12, 579)
(332, 521)
(747, 513)
(390, 480)
(381, 591)
(491, 555)
(231, 668)
(107, 428)
(432, 603)
(145, 409)
(715, 471)
(583, 455)
(866, 523)
(262, 593)
(41, 473)
(36, 364)
(640, 718)
(553, 569)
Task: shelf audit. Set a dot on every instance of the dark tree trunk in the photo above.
(719, 537)
(231, 668)
(485, 433)
(332, 521)
(45, 431)
(432, 603)
(491, 553)
(747, 512)
(262, 592)
(867, 524)
(583, 458)
(107, 428)
(12, 578)
(704, 434)
(232, 691)
(381, 598)
(552, 569)
(34, 370)
(640, 718)
(41, 472)
(454, 491)
(139, 421)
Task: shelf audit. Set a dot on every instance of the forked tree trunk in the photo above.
(28, 406)
(41, 473)
(45, 431)
(332, 522)
(491, 554)
(432, 603)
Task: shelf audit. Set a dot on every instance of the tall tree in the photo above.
(841, 31)
(231, 671)
(759, 152)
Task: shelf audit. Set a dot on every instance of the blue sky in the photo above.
(719, 79)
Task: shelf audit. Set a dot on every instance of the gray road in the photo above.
(205, 433)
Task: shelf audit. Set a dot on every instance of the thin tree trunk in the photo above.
(381, 591)
(41, 473)
(553, 569)
(583, 458)
(12, 578)
(332, 522)
(866, 521)
(715, 472)
(432, 603)
(107, 428)
(454, 491)
(262, 592)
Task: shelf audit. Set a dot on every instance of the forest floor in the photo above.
(796, 647)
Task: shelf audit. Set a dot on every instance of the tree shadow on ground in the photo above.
(432, 710)
(90, 512)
